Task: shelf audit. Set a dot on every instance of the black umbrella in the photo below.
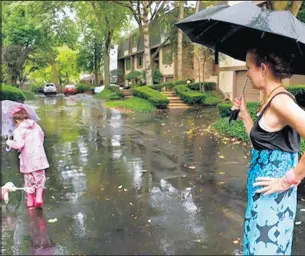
(233, 30)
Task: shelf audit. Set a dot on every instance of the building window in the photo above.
(127, 63)
(167, 55)
(134, 41)
(140, 61)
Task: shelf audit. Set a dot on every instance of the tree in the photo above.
(144, 12)
(66, 63)
(30, 28)
(180, 37)
(101, 24)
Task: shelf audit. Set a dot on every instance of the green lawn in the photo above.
(135, 104)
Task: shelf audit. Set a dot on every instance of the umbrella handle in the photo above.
(8, 149)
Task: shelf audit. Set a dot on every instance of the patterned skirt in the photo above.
(269, 220)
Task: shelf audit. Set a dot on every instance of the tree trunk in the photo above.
(96, 70)
(54, 78)
(197, 51)
(279, 5)
(146, 57)
(107, 55)
(295, 7)
(180, 36)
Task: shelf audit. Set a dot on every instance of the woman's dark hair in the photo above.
(20, 116)
(280, 65)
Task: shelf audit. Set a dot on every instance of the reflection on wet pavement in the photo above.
(132, 184)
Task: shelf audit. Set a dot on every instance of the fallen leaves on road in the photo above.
(221, 156)
(52, 220)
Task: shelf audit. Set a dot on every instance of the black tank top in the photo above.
(286, 139)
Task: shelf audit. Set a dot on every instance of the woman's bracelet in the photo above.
(290, 178)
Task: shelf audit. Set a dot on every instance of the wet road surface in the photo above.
(131, 184)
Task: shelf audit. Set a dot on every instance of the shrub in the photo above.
(108, 94)
(11, 93)
(299, 92)
(189, 96)
(116, 89)
(37, 88)
(81, 88)
(134, 75)
(133, 103)
(156, 76)
(28, 95)
(155, 97)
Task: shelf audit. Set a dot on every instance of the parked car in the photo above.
(70, 89)
(50, 88)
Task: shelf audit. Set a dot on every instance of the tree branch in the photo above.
(158, 7)
(159, 47)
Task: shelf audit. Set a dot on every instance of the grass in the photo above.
(135, 104)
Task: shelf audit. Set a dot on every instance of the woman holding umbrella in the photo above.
(274, 171)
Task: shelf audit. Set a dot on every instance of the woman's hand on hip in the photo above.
(241, 105)
(271, 185)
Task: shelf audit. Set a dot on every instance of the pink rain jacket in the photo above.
(28, 138)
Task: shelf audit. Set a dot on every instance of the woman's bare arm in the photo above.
(293, 115)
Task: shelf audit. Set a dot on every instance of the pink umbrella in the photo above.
(8, 108)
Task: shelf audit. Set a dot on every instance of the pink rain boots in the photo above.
(39, 197)
(30, 200)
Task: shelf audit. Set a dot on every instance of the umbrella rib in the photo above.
(230, 33)
(208, 28)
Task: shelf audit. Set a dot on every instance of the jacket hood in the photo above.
(28, 124)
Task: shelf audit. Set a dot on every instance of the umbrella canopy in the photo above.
(233, 30)
(8, 107)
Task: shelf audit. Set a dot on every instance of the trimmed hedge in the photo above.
(208, 86)
(224, 108)
(11, 93)
(189, 96)
(299, 92)
(157, 87)
(212, 100)
(155, 97)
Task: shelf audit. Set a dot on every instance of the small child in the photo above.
(28, 139)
